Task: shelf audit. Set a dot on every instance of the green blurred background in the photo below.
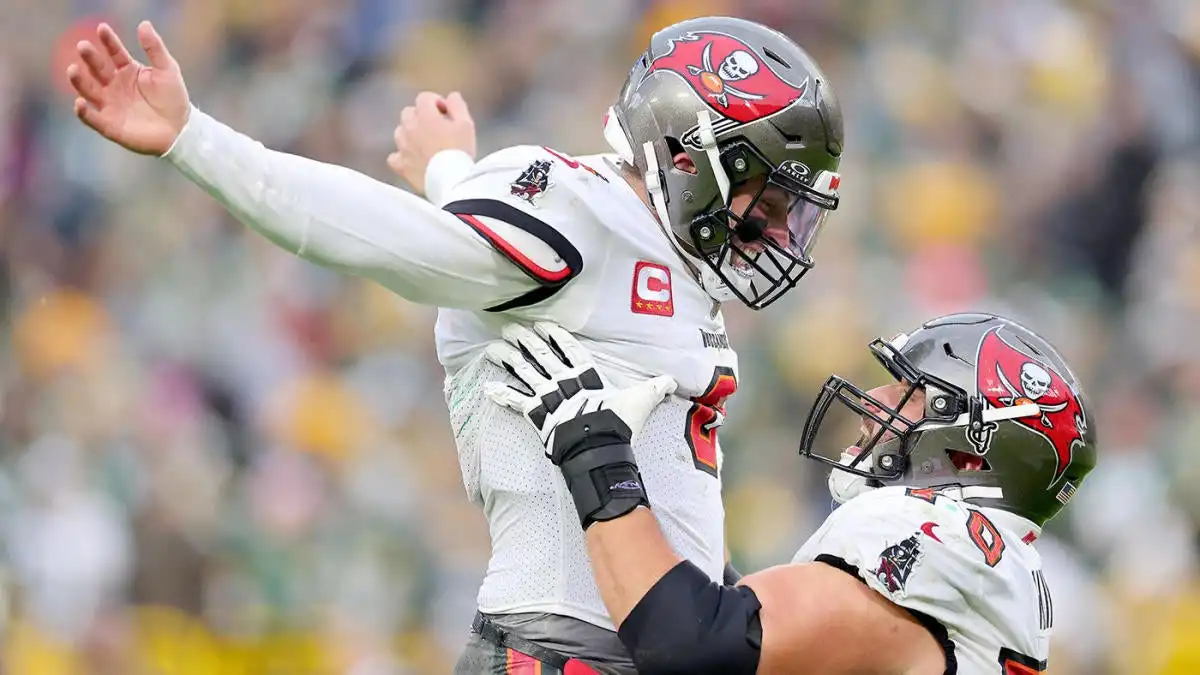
(216, 458)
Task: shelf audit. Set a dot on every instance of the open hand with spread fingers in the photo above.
(586, 424)
(561, 382)
(138, 106)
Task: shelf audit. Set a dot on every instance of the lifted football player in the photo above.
(727, 138)
(927, 567)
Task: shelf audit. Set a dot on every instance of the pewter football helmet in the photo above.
(747, 105)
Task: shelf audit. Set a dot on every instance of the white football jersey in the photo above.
(525, 234)
(970, 574)
(640, 310)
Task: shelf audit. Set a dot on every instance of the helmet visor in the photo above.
(771, 240)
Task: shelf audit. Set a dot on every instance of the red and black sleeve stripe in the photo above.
(549, 281)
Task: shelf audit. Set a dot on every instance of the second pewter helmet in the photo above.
(743, 101)
(1005, 422)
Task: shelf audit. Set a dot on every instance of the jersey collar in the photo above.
(1014, 523)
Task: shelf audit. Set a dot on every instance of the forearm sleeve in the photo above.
(345, 220)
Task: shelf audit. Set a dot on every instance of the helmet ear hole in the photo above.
(968, 461)
(675, 147)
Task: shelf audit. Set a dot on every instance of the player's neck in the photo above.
(637, 183)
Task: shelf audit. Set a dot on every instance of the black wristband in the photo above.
(594, 454)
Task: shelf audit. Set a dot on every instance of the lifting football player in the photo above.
(727, 141)
(927, 568)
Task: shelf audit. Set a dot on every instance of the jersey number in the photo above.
(983, 532)
(986, 537)
(1015, 663)
(706, 415)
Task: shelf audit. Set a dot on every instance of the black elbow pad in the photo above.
(688, 624)
(732, 576)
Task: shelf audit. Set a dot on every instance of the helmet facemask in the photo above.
(743, 101)
(885, 456)
(892, 431)
(760, 258)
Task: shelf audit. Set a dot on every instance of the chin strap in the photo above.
(716, 289)
(708, 142)
(655, 188)
(843, 485)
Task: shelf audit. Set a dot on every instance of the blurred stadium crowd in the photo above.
(215, 458)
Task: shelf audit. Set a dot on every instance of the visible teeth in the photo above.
(744, 269)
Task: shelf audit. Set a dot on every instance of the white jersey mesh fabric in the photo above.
(539, 559)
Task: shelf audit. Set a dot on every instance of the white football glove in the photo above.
(562, 382)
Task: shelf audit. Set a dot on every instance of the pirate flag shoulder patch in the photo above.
(897, 562)
(533, 182)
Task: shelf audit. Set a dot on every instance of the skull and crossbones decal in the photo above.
(732, 77)
(1035, 383)
(1035, 380)
(738, 66)
(1007, 376)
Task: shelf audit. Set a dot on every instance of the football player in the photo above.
(927, 567)
(727, 141)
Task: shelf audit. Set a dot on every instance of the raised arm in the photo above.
(331, 215)
(435, 145)
(803, 619)
(347, 221)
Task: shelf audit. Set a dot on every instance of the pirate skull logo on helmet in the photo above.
(1035, 380)
(738, 66)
